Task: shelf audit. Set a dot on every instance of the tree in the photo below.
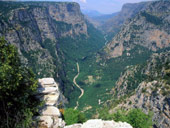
(17, 89)
(72, 116)
(138, 119)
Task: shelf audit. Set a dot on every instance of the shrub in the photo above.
(135, 117)
(72, 116)
(119, 116)
(138, 119)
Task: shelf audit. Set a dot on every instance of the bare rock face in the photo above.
(35, 28)
(148, 29)
(97, 123)
(50, 115)
(147, 87)
(113, 25)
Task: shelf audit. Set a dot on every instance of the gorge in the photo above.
(119, 66)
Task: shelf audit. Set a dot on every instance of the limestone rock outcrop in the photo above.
(50, 115)
(129, 10)
(148, 29)
(147, 87)
(97, 123)
(35, 28)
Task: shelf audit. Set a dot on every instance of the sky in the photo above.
(105, 6)
(102, 6)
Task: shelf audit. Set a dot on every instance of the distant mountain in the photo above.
(103, 18)
(98, 19)
(113, 25)
(91, 13)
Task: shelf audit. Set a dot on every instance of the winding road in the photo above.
(78, 72)
(74, 81)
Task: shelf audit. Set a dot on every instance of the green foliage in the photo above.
(135, 117)
(151, 18)
(138, 119)
(77, 49)
(108, 72)
(17, 89)
(72, 116)
(104, 114)
(120, 116)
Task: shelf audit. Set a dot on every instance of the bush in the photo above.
(72, 116)
(135, 117)
(138, 119)
(120, 116)
(17, 89)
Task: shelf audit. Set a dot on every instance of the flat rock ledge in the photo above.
(98, 123)
(50, 116)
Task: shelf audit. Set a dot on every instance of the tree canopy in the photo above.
(17, 89)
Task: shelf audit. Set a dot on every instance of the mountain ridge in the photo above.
(146, 87)
(50, 37)
(148, 29)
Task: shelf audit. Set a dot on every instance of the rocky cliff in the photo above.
(50, 37)
(35, 28)
(147, 87)
(149, 29)
(114, 24)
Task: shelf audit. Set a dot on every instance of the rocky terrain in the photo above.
(114, 24)
(49, 93)
(35, 28)
(97, 123)
(50, 37)
(149, 29)
(147, 87)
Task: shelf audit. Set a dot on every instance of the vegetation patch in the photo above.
(152, 19)
(135, 117)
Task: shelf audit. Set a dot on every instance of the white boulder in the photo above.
(46, 81)
(50, 111)
(98, 123)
